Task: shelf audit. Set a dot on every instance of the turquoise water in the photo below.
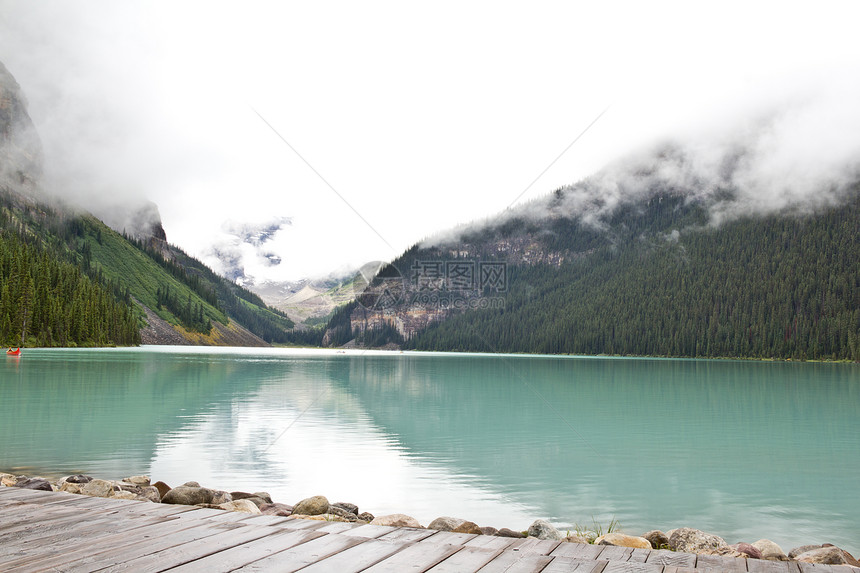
(742, 449)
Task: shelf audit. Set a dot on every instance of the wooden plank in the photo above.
(415, 558)
(720, 563)
(303, 555)
(309, 524)
(615, 553)
(467, 559)
(640, 555)
(676, 559)
(673, 569)
(764, 566)
(450, 538)
(357, 558)
(156, 537)
(513, 562)
(337, 527)
(219, 553)
(273, 520)
(631, 567)
(408, 534)
(578, 550)
(369, 531)
(532, 546)
(492, 542)
(571, 564)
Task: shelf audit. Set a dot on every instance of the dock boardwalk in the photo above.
(56, 531)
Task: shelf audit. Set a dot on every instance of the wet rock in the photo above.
(37, 483)
(802, 549)
(219, 497)
(348, 507)
(342, 513)
(281, 509)
(505, 532)
(316, 505)
(141, 481)
(365, 516)
(830, 555)
(98, 488)
(657, 539)
(575, 539)
(242, 505)
(691, 540)
(396, 520)
(489, 530)
(747, 549)
(445, 523)
(467, 527)
(770, 550)
(542, 529)
(188, 495)
(77, 478)
(621, 540)
(162, 488)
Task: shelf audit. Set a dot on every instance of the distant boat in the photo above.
(13, 351)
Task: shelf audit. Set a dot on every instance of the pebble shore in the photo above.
(684, 539)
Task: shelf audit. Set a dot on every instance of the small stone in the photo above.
(747, 549)
(487, 530)
(689, 540)
(77, 478)
(802, 549)
(365, 516)
(162, 488)
(70, 487)
(188, 495)
(542, 529)
(770, 550)
(396, 520)
(219, 497)
(350, 507)
(445, 523)
(505, 532)
(342, 513)
(242, 505)
(281, 509)
(316, 505)
(825, 555)
(621, 540)
(657, 538)
(98, 488)
(467, 527)
(150, 493)
(137, 480)
(575, 539)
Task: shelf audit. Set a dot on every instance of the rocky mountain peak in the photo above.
(20, 146)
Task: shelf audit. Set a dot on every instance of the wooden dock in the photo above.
(55, 531)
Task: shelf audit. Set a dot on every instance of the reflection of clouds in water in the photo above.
(333, 450)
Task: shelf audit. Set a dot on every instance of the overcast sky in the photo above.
(394, 119)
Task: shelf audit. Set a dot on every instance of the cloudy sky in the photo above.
(348, 131)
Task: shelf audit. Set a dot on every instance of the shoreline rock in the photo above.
(683, 539)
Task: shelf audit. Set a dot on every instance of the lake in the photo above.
(742, 449)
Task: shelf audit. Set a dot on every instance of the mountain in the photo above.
(67, 278)
(633, 262)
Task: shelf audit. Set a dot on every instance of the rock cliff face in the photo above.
(20, 146)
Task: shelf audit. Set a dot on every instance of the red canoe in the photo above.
(14, 352)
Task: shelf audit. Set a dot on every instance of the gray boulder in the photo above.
(542, 529)
(316, 505)
(219, 497)
(657, 539)
(689, 540)
(350, 507)
(505, 532)
(36, 483)
(802, 549)
(281, 509)
(349, 516)
(98, 488)
(827, 555)
(396, 520)
(468, 527)
(188, 495)
(366, 516)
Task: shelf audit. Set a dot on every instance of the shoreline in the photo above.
(683, 539)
